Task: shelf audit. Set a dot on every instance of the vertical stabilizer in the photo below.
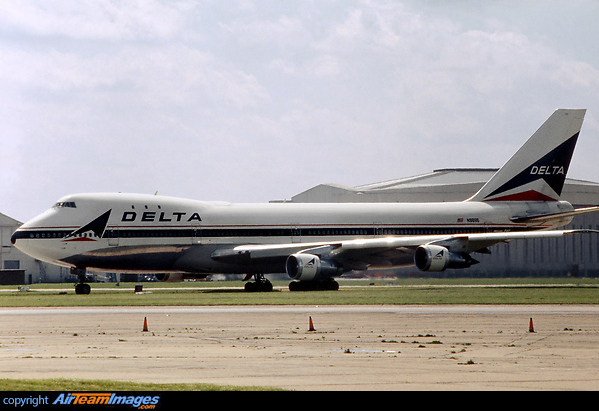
(538, 170)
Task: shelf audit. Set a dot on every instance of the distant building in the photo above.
(17, 267)
(576, 255)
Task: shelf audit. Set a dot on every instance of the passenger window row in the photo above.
(257, 232)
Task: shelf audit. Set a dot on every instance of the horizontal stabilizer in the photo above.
(547, 218)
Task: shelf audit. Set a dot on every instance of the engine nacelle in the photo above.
(307, 267)
(437, 258)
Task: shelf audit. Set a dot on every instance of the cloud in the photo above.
(176, 74)
(251, 101)
(285, 31)
(93, 20)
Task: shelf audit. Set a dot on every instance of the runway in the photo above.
(465, 347)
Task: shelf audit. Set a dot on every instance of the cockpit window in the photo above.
(70, 204)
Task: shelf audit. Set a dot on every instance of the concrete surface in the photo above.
(352, 348)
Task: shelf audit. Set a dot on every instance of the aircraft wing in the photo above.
(361, 253)
(468, 243)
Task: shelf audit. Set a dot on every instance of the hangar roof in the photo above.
(443, 176)
(6, 221)
(448, 184)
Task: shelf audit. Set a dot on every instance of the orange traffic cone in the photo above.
(145, 324)
(531, 328)
(311, 325)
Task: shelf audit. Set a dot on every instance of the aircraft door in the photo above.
(196, 236)
(195, 232)
(113, 236)
(296, 234)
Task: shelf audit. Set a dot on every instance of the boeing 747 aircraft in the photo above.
(312, 243)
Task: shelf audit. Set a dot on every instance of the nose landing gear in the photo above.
(82, 287)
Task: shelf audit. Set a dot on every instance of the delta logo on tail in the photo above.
(95, 228)
(549, 172)
(537, 171)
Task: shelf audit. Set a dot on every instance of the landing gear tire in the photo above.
(332, 285)
(297, 286)
(327, 285)
(260, 285)
(82, 288)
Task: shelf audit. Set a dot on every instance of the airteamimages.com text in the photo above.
(146, 402)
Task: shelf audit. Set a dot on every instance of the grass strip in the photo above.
(65, 384)
(499, 291)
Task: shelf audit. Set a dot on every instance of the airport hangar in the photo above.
(18, 268)
(570, 256)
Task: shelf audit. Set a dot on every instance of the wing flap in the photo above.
(249, 252)
(469, 243)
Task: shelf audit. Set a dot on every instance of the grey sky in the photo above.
(249, 101)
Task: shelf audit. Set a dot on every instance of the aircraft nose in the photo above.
(17, 235)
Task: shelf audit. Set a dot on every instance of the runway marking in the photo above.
(398, 309)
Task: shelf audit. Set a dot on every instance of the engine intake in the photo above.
(437, 258)
(306, 267)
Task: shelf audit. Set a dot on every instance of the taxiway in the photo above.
(467, 347)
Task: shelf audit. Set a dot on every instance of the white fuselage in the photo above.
(163, 234)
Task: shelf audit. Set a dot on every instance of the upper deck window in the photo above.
(70, 204)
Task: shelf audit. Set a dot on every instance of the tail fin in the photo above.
(538, 170)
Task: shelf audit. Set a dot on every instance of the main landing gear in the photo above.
(325, 285)
(260, 285)
(82, 287)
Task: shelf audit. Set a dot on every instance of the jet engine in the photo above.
(307, 267)
(437, 258)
